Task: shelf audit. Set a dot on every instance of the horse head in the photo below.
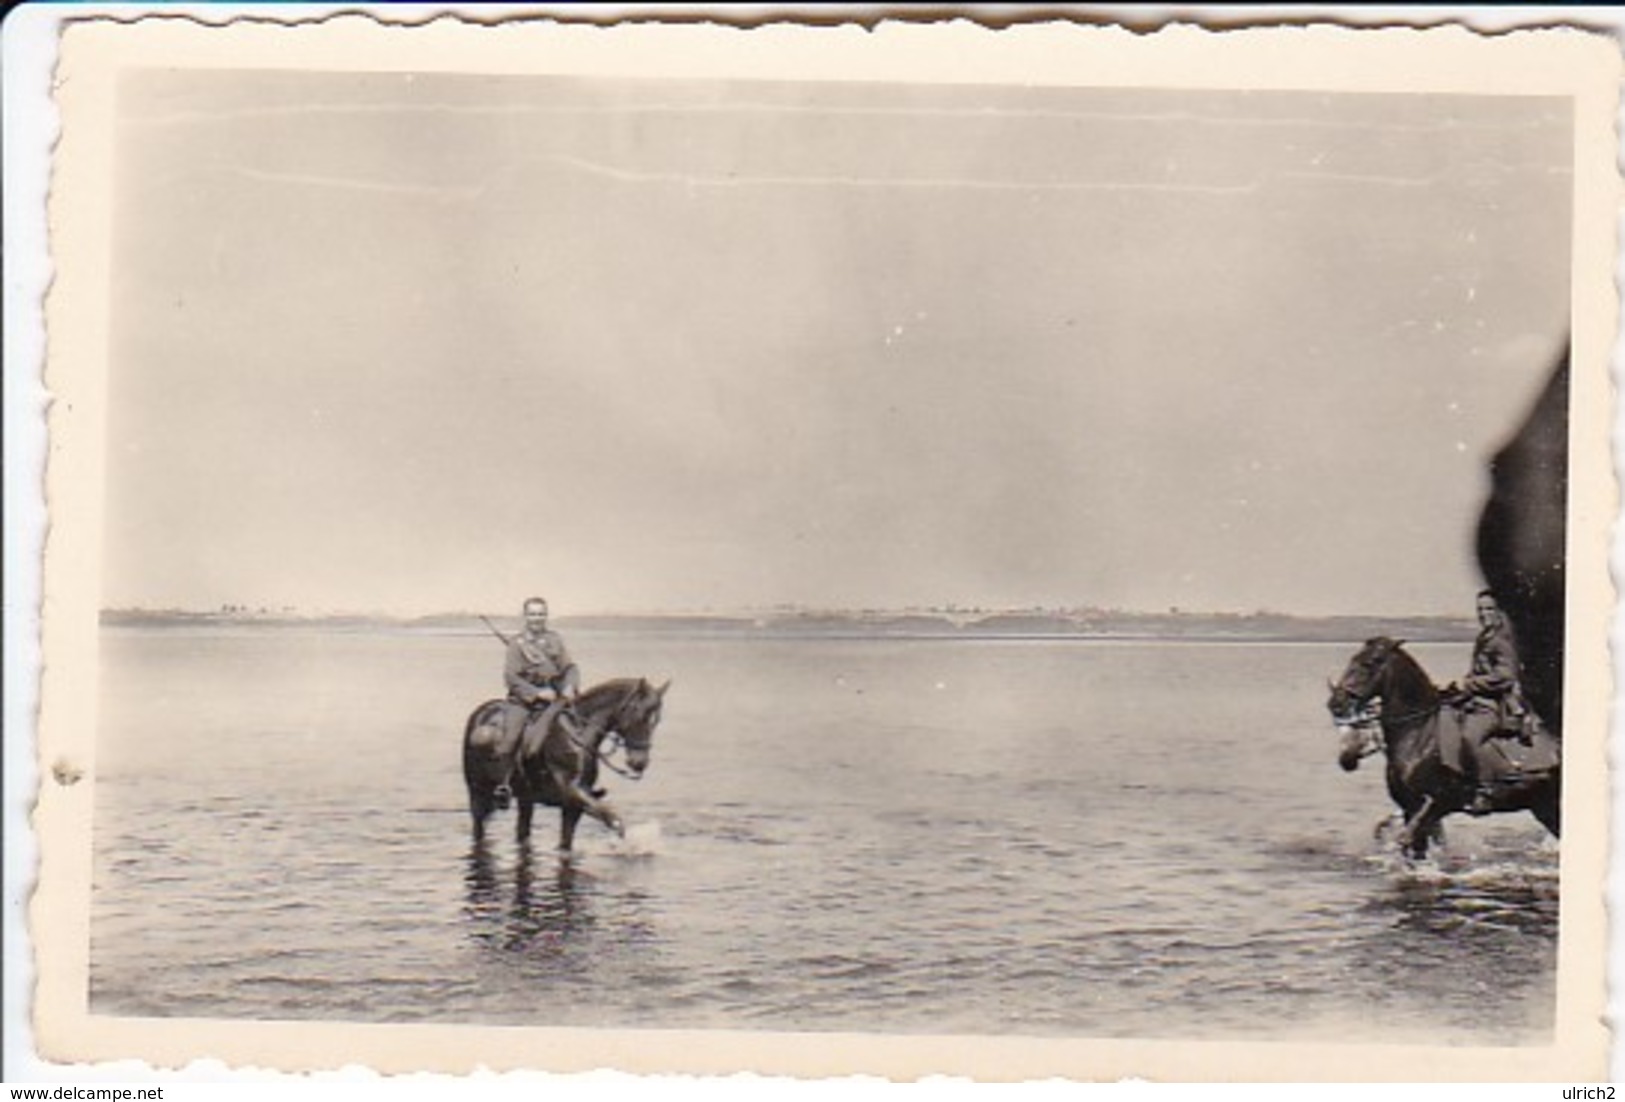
(635, 721)
(1356, 699)
(1361, 686)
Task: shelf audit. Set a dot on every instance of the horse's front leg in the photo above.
(527, 810)
(1420, 827)
(579, 800)
(1387, 823)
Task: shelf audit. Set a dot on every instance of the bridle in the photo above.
(1368, 718)
(1366, 721)
(615, 742)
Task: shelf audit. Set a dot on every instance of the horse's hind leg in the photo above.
(527, 811)
(478, 765)
(479, 808)
(569, 816)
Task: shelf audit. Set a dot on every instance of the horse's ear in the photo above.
(1398, 643)
(661, 692)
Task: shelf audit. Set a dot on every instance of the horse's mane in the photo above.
(604, 700)
(619, 686)
(1408, 679)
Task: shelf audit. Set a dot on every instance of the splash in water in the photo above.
(642, 840)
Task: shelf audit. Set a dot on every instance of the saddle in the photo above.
(543, 729)
(1502, 749)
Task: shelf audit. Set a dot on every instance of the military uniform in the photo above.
(537, 664)
(1490, 702)
(538, 668)
(1491, 694)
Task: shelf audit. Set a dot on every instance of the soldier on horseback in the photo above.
(1489, 699)
(542, 682)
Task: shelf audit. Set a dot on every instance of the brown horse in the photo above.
(1384, 687)
(563, 772)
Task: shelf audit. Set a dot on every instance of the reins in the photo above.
(1406, 717)
(615, 740)
(609, 763)
(1369, 722)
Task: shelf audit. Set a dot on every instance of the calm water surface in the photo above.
(1126, 839)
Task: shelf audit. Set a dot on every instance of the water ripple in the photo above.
(1064, 867)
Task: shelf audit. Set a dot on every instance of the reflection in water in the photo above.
(481, 880)
(543, 912)
(1246, 876)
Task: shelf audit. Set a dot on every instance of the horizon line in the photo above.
(950, 610)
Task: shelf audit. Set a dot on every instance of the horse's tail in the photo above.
(474, 753)
(479, 717)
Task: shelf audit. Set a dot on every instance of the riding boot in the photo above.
(1467, 775)
(1483, 801)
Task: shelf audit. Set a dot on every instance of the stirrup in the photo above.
(502, 796)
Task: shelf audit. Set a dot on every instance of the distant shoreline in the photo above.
(1104, 625)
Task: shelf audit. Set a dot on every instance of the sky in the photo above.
(413, 343)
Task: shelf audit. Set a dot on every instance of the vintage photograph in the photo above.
(743, 536)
